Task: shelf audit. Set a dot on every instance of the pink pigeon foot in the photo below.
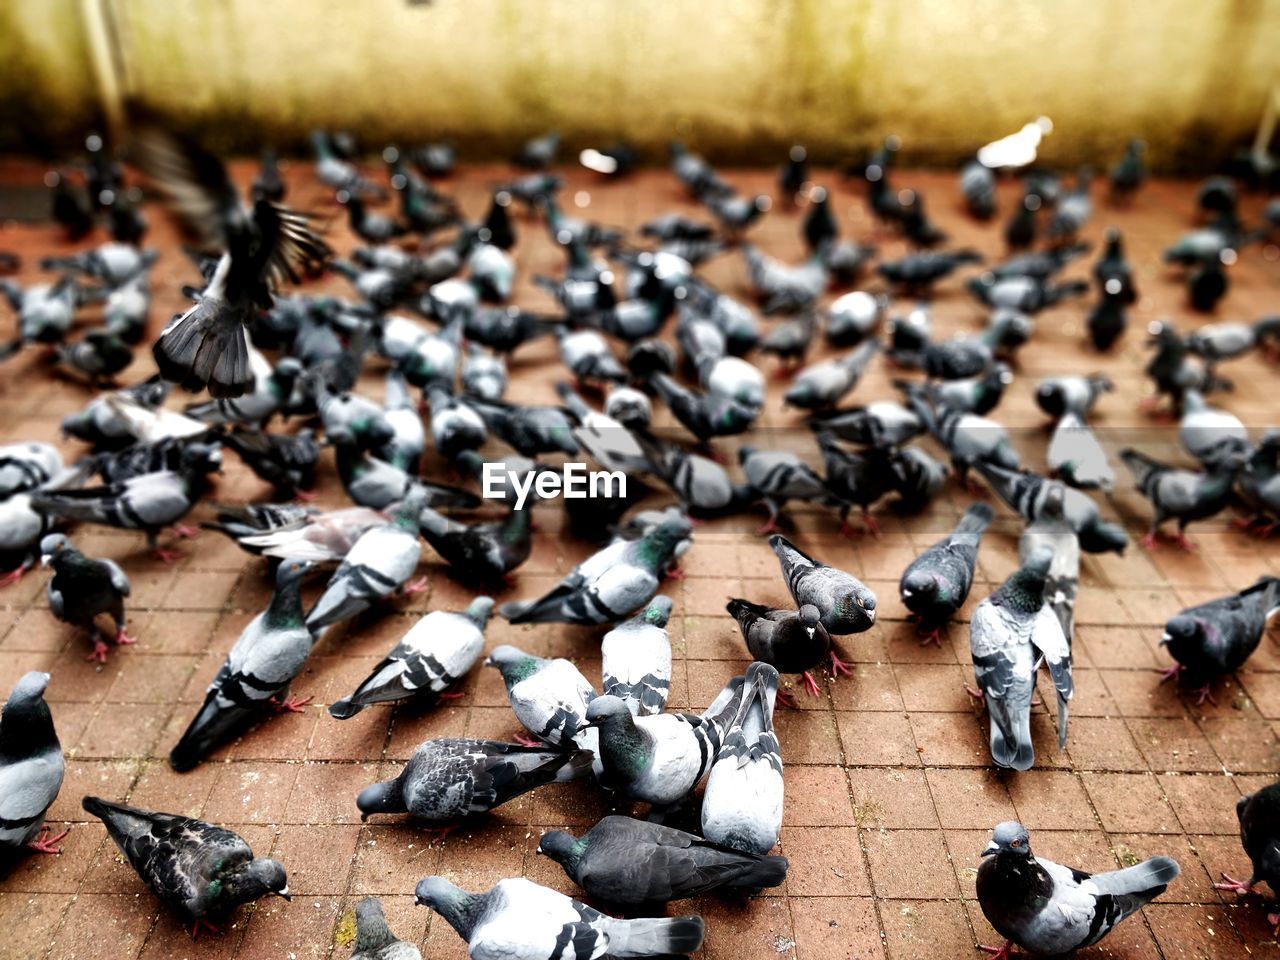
(1232, 885)
(416, 587)
(45, 843)
(811, 685)
(205, 924)
(440, 833)
(675, 573)
(847, 529)
(1182, 541)
(785, 699)
(933, 636)
(998, 953)
(12, 577)
(870, 523)
(292, 704)
(1170, 673)
(99, 652)
(769, 526)
(838, 667)
(166, 556)
(1274, 920)
(306, 495)
(1149, 541)
(1204, 694)
(977, 694)
(185, 532)
(452, 695)
(527, 741)
(123, 639)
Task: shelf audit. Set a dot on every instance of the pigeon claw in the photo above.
(1149, 541)
(785, 699)
(769, 526)
(417, 586)
(838, 667)
(979, 695)
(933, 636)
(184, 532)
(1181, 540)
(452, 695)
(166, 556)
(99, 652)
(811, 685)
(527, 741)
(1170, 673)
(869, 522)
(1204, 694)
(1232, 885)
(45, 843)
(305, 495)
(998, 953)
(201, 922)
(291, 704)
(12, 577)
(675, 573)
(122, 639)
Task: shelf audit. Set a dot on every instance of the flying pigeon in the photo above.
(936, 584)
(844, 604)
(788, 640)
(660, 759)
(448, 780)
(548, 697)
(199, 871)
(437, 652)
(520, 920)
(379, 564)
(608, 585)
(1179, 494)
(636, 655)
(1215, 638)
(82, 589)
(1012, 632)
(374, 939)
(254, 679)
(31, 767)
(635, 862)
(742, 803)
(1051, 910)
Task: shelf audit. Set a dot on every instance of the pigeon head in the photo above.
(606, 710)
(372, 932)
(857, 606)
(383, 797)
(292, 571)
(1103, 537)
(26, 725)
(28, 690)
(919, 585)
(258, 878)
(811, 617)
(564, 848)
(479, 609)
(451, 902)
(200, 457)
(1024, 590)
(411, 508)
(1009, 839)
(288, 369)
(1183, 635)
(53, 545)
(658, 612)
(513, 663)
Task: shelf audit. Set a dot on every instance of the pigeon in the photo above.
(199, 871)
(610, 443)
(112, 263)
(1040, 264)
(703, 415)
(22, 526)
(127, 310)
(776, 476)
(1022, 293)
(1051, 529)
(789, 341)
(1129, 172)
(484, 375)
(704, 487)
(637, 863)
(520, 920)
(917, 272)
(379, 564)
(968, 438)
(71, 210)
(320, 538)
(333, 170)
(882, 423)
(1107, 322)
(1259, 816)
(1260, 484)
(374, 939)
(1073, 210)
(1215, 638)
(1076, 456)
(1180, 494)
(529, 430)
(1210, 434)
(1208, 284)
(254, 679)
(1215, 342)
(1020, 232)
(252, 519)
(916, 478)
(484, 552)
(915, 224)
(1112, 271)
(258, 248)
(783, 287)
(978, 187)
(1012, 632)
(936, 584)
(844, 604)
(1026, 493)
(853, 317)
(548, 697)
(254, 409)
(448, 780)
(736, 213)
(350, 418)
(455, 425)
(369, 226)
(26, 466)
(1173, 368)
(82, 589)
(1074, 394)
(1051, 910)
(506, 329)
(45, 312)
(286, 461)
(856, 479)
(147, 503)
(610, 584)
(437, 652)
(822, 385)
(660, 759)
(695, 173)
(791, 641)
(374, 483)
(742, 803)
(636, 655)
(31, 767)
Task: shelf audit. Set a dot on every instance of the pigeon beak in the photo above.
(990, 849)
(1164, 640)
(284, 894)
(46, 559)
(906, 594)
(538, 852)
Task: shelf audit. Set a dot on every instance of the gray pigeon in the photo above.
(255, 677)
(1052, 910)
(626, 861)
(271, 391)
(1260, 485)
(936, 584)
(374, 939)
(548, 697)
(967, 437)
(1207, 433)
(1215, 638)
(1051, 529)
(455, 426)
(1012, 632)
(1183, 495)
(821, 385)
(25, 466)
(704, 487)
(608, 585)
(450, 779)
(1075, 394)
(637, 659)
(482, 552)
(82, 589)
(776, 476)
(660, 759)
(844, 602)
(742, 803)
(1026, 494)
(349, 418)
(1076, 456)
(31, 767)
(379, 564)
(882, 423)
(520, 920)
(437, 652)
(199, 871)
(1259, 816)
(409, 439)
(318, 538)
(790, 641)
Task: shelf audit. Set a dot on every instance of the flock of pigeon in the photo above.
(437, 317)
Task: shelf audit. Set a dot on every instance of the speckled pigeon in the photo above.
(637, 659)
(82, 589)
(548, 697)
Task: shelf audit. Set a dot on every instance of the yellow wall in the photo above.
(735, 77)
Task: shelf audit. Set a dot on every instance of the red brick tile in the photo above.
(1051, 800)
(924, 928)
(877, 739)
(824, 862)
(969, 798)
(1130, 802)
(836, 928)
(1173, 744)
(887, 797)
(909, 864)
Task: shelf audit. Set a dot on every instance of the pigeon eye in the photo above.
(1015, 843)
